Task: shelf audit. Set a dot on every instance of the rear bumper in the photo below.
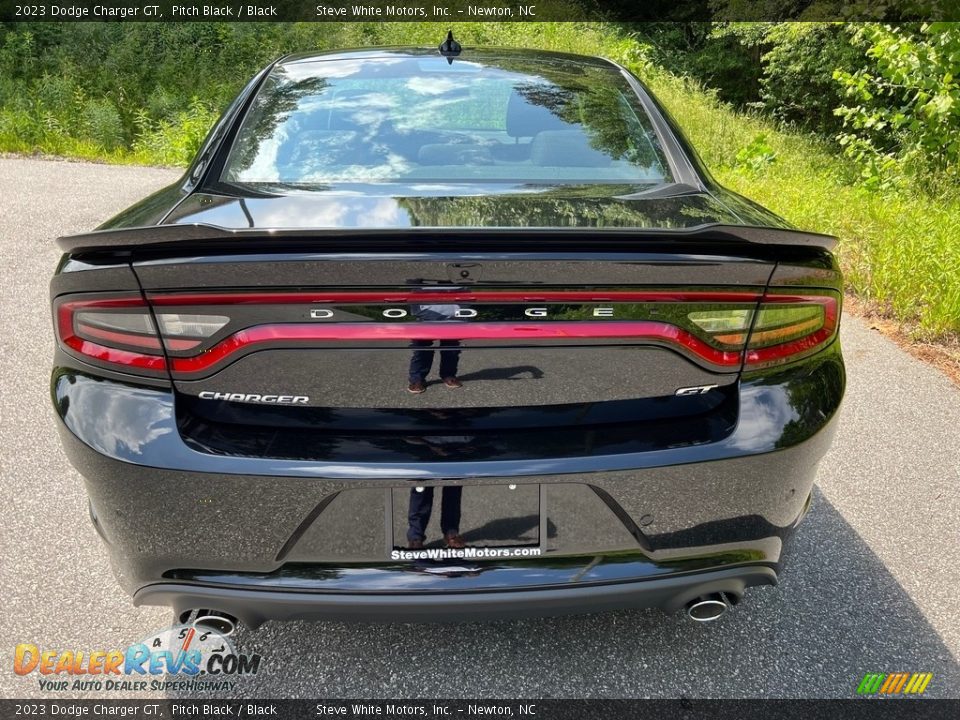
(190, 529)
(254, 607)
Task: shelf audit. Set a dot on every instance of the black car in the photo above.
(497, 282)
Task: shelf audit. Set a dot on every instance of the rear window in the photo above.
(409, 119)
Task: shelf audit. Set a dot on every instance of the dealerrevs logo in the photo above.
(178, 658)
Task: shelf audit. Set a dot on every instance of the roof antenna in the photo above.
(450, 48)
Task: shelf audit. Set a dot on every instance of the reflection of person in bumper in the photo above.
(422, 361)
(422, 358)
(421, 507)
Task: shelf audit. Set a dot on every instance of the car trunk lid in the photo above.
(314, 342)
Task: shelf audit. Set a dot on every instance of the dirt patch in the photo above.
(945, 356)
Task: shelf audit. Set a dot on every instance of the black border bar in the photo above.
(532, 709)
(448, 11)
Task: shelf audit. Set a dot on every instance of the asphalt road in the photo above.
(871, 585)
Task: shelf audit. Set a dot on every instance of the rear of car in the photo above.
(252, 365)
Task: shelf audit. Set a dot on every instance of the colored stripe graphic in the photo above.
(919, 683)
(894, 683)
(870, 683)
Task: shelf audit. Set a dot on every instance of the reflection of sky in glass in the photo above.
(363, 120)
(431, 86)
(334, 68)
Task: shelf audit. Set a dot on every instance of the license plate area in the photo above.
(500, 518)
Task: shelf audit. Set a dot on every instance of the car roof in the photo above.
(486, 54)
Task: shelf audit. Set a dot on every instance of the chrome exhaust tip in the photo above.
(220, 623)
(707, 608)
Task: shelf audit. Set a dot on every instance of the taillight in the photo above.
(789, 327)
(723, 326)
(114, 332)
(120, 332)
(783, 328)
(182, 331)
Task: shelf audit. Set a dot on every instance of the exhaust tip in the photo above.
(707, 608)
(219, 622)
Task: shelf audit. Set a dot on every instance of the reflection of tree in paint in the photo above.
(807, 401)
(566, 207)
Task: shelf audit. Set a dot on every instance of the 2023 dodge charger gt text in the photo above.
(500, 283)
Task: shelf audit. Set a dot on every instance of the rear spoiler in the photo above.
(198, 236)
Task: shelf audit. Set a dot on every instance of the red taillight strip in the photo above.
(379, 332)
(144, 341)
(112, 336)
(419, 297)
(113, 355)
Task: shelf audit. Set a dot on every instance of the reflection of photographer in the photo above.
(421, 507)
(422, 360)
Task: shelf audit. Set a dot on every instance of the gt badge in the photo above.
(695, 390)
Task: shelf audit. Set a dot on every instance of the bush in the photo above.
(757, 154)
(175, 141)
(179, 74)
(902, 113)
(101, 123)
(798, 84)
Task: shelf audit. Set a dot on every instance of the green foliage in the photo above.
(757, 154)
(174, 140)
(723, 56)
(730, 61)
(150, 92)
(798, 84)
(903, 111)
(888, 95)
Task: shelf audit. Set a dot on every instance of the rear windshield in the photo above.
(420, 119)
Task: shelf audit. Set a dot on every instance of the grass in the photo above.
(900, 249)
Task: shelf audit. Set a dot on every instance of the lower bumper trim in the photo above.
(254, 607)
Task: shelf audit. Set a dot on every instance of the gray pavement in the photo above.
(871, 585)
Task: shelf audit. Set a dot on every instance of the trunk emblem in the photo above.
(457, 312)
(695, 390)
(255, 398)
